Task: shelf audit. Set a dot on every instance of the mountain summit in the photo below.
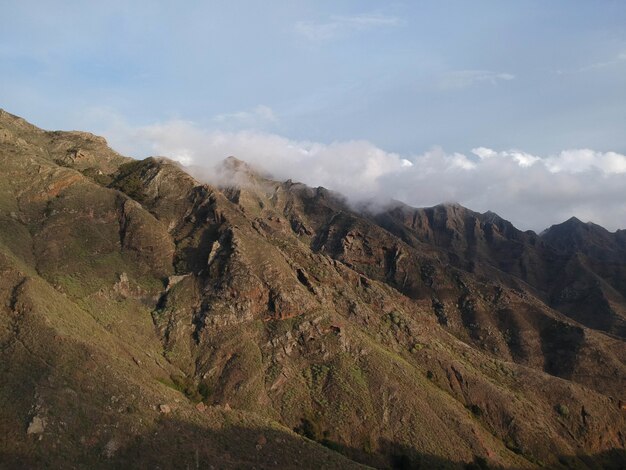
(151, 320)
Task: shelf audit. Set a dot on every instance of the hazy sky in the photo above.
(514, 106)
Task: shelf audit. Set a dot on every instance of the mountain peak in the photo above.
(573, 220)
(235, 162)
(574, 224)
(233, 171)
(237, 165)
(575, 235)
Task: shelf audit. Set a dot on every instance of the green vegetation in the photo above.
(562, 410)
(272, 372)
(129, 180)
(513, 444)
(476, 410)
(312, 430)
(97, 176)
(187, 386)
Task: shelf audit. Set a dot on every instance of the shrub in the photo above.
(562, 410)
(309, 430)
(513, 445)
(204, 390)
(476, 410)
(129, 180)
(332, 445)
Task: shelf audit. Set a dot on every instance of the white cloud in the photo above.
(461, 161)
(461, 79)
(583, 160)
(257, 117)
(523, 159)
(530, 190)
(483, 152)
(340, 25)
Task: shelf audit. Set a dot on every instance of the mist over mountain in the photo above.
(533, 191)
(148, 319)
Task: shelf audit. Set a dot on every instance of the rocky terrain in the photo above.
(148, 320)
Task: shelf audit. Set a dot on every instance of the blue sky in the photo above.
(409, 77)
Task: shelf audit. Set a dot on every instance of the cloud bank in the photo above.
(532, 191)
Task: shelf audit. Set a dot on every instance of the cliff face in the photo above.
(147, 318)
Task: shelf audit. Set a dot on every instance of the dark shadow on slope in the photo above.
(175, 444)
(560, 344)
(509, 325)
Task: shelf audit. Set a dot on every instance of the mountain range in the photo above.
(150, 320)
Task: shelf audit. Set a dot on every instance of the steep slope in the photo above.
(576, 268)
(85, 382)
(282, 251)
(592, 285)
(405, 338)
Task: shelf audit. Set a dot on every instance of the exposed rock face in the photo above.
(165, 409)
(36, 426)
(432, 337)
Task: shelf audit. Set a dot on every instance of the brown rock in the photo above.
(36, 426)
(165, 409)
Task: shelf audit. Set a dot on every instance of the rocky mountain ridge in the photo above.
(149, 319)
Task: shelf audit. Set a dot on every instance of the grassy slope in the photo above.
(270, 329)
(316, 378)
(79, 349)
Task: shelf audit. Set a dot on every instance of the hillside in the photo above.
(150, 319)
